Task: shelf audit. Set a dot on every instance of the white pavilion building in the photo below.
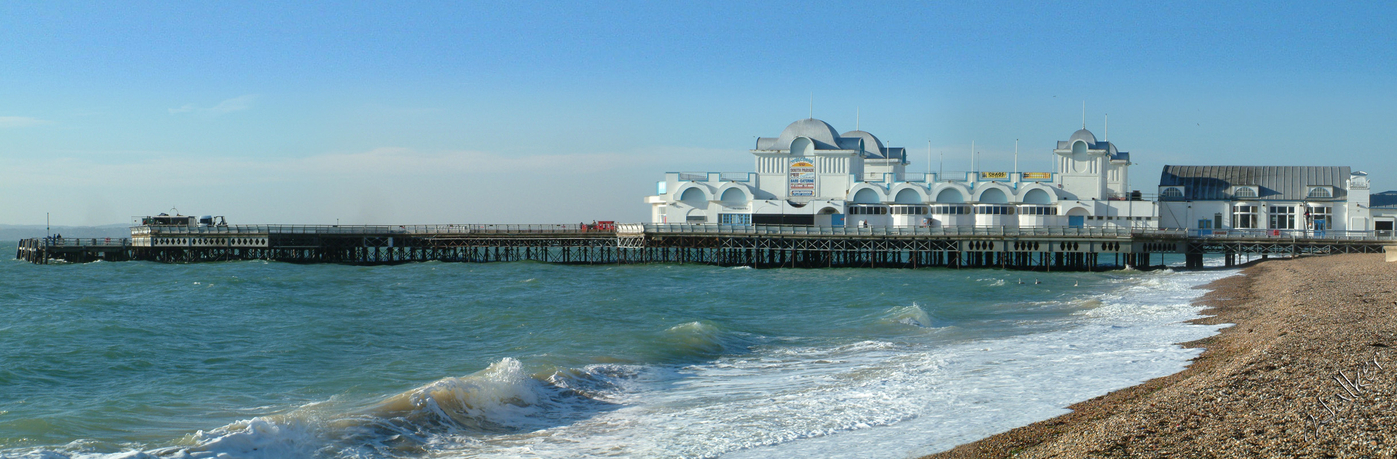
(811, 175)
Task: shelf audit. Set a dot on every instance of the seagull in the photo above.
(1036, 282)
(1074, 284)
(1020, 281)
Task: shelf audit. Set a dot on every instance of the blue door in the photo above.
(1076, 221)
(836, 220)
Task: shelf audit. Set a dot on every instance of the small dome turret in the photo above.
(871, 145)
(1085, 136)
(822, 133)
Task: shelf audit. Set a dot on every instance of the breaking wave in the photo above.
(453, 411)
(912, 315)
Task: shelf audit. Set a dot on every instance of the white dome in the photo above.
(1083, 135)
(871, 144)
(821, 132)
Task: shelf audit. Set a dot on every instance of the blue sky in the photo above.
(568, 111)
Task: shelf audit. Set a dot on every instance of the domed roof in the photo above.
(871, 144)
(1083, 135)
(819, 131)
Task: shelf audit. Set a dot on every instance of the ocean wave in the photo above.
(912, 315)
(700, 339)
(444, 414)
(499, 398)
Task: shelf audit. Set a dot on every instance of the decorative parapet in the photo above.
(1358, 182)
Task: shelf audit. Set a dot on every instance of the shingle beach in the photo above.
(1308, 370)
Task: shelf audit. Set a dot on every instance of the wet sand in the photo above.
(1309, 370)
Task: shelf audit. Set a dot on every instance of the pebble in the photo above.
(1256, 390)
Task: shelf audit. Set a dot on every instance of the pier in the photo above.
(1048, 249)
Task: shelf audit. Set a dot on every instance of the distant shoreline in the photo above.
(1266, 387)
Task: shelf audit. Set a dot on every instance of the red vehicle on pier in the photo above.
(600, 226)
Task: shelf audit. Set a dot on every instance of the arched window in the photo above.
(693, 197)
(866, 196)
(994, 196)
(1320, 192)
(1037, 197)
(734, 197)
(1244, 192)
(802, 146)
(1172, 192)
(908, 196)
(950, 196)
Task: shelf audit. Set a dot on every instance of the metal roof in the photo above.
(1383, 200)
(1084, 135)
(821, 133)
(872, 147)
(1281, 183)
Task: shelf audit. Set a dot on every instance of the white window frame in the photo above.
(1247, 213)
(1280, 216)
(1328, 193)
(741, 219)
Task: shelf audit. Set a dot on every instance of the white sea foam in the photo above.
(882, 399)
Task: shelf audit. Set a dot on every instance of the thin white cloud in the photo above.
(235, 104)
(21, 122)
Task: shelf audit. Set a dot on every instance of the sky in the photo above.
(558, 112)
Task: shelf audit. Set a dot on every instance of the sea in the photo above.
(256, 359)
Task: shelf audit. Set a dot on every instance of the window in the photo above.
(908, 210)
(950, 210)
(994, 210)
(1172, 192)
(1281, 217)
(1320, 192)
(1244, 216)
(1037, 210)
(1321, 217)
(1244, 192)
(867, 210)
(735, 219)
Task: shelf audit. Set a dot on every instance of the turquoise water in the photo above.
(258, 359)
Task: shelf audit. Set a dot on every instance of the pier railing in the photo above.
(79, 242)
(904, 231)
(1274, 234)
(761, 230)
(369, 229)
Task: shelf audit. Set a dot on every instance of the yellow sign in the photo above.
(994, 175)
(1037, 175)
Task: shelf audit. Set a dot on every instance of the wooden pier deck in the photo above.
(1072, 249)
